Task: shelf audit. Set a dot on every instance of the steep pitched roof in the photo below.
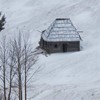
(61, 29)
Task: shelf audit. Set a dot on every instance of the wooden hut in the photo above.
(61, 36)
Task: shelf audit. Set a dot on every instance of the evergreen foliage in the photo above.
(2, 21)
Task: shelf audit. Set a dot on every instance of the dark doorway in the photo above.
(64, 47)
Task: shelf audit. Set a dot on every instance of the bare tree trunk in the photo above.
(4, 64)
(20, 81)
(29, 61)
(4, 81)
(10, 85)
(18, 52)
(11, 64)
(25, 84)
(9, 95)
(25, 72)
(19, 55)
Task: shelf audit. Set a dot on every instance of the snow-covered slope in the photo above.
(63, 76)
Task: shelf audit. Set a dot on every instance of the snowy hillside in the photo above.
(63, 76)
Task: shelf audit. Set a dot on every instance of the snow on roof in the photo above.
(61, 29)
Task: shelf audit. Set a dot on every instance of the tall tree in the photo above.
(2, 21)
(3, 60)
(18, 54)
(12, 71)
(30, 58)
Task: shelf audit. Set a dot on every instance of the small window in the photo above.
(55, 45)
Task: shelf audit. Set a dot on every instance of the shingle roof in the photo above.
(61, 29)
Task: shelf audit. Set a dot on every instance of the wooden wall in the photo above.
(54, 47)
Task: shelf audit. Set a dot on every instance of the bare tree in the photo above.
(17, 57)
(8, 66)
(3, 60)
(12, 67)
(30, 58)
(17, 44)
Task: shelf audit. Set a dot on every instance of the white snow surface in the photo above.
(63, 76)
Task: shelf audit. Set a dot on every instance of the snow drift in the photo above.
(63, 76)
